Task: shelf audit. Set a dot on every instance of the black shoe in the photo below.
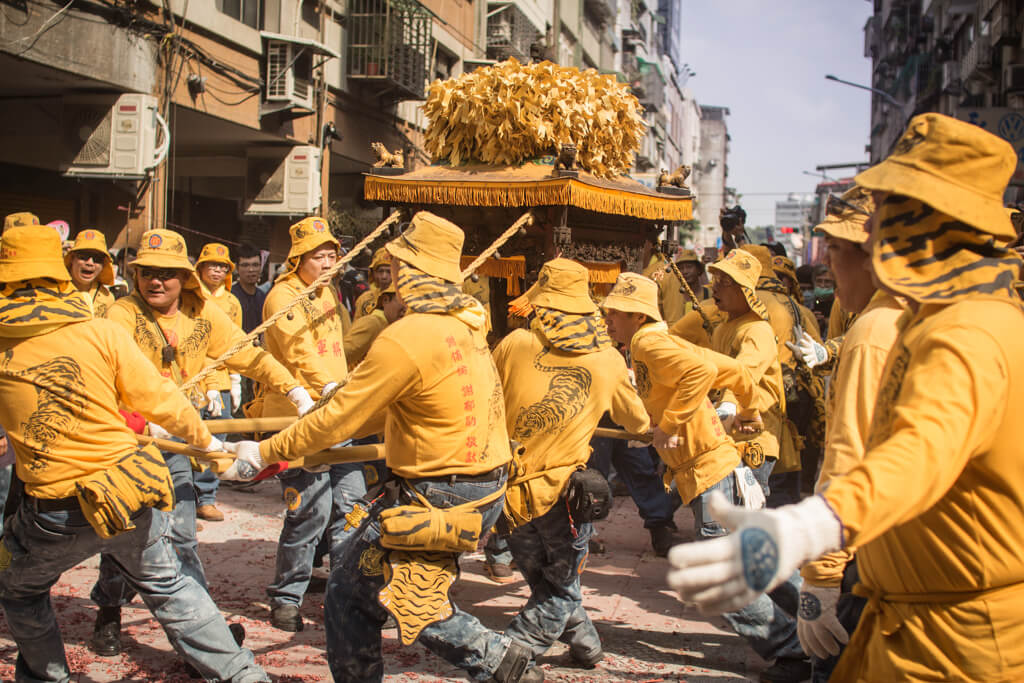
(662, 539)
(787, 670)
(587, 660)
(317, 584)
(238, 633)
(515, 666)
(106, 635)
(287, 618)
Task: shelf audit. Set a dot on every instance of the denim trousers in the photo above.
(316, 507)
(43, 545)
(6, 475)
(551, 554)
(769, 623)
(353, 616)
(637, 466)
(111, 589)
(848, 611)
(207, 482)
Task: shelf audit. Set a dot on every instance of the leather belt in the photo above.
(494, 475)
(54, 504)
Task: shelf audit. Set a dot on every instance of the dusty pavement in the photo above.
(647, 634)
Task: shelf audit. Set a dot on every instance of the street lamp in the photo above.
(892, 100)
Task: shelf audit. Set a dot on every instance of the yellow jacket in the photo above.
(367, 302)
(361, 336)
(228, 303)
(673, 378)
(199, 330)
(781, 318)
(936, 507)
(851, 404)
(100, 299)
(61, 394)
(691, 326)
(308, 341)
(675, 304)
(433, 379)
(751, 341)
(554, 401)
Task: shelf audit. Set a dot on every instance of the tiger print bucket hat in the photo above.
(563, 285)
(306, 235)
(942, 232)
(215, 252)
(431, 244)
(745, 270)
(634, 293)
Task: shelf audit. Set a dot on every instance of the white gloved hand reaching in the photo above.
(817, 625)
(158, 432)
(809, 351)
(247, 464)
(726, 412)
(328, 388)
(236, 392)
(301, 399)
(214, 403)
(766, 547)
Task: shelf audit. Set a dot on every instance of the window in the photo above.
(249, 12)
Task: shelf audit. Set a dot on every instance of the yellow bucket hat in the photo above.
(307, 235)
(162, 248)
(431, 244)
(215, 252)
(564, 286)
(381, 257)
(783, 266)
(689, 256)
(28, 252)
(745, 269)
(93, 240)
(764, 257)
(846, 216)
(634, 293)
(952, 166)
(20, 219)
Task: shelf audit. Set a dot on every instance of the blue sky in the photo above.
(767, 62)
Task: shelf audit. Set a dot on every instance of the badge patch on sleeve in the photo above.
(415, 591)
(292, 498)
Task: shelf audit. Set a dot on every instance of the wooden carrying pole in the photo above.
(220, 462)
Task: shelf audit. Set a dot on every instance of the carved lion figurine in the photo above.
(387, 159)
(678, 179)
(566, 158)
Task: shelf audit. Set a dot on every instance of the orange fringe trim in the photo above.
(512, 269)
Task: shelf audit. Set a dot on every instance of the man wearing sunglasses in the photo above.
(178, 328)
(91, 269)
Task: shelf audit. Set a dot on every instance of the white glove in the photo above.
(247, 464)
(301, 399)
(819, 629)
(215, 446)
(328, 388)
(766, 546)
(664, 440)
(214, 403)
(236, 392)
(727, 414)
(809, 351)
(158, 432)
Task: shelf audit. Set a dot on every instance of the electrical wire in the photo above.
(47, 25)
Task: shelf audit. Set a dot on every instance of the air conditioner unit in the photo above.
(279, 183)
(289, 74)
(111, 136)
(1013, 78)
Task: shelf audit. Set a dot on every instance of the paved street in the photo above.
(647, 634)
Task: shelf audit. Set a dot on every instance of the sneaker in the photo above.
(106, 634)
(238, 633)
(210, 513)
(787, 670)
(515, 666)
(287, 618)
(499, 573)
(663, 539)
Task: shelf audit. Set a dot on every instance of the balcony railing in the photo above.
(389, 44)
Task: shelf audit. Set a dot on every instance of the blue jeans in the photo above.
(353, 616)
(6, 474)
(769, 623)
(496, 549)
(317, 505)
(111, 589)
(638, 469)
(207, 482)
(43, 545)
(551, 557)
(848, 611)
